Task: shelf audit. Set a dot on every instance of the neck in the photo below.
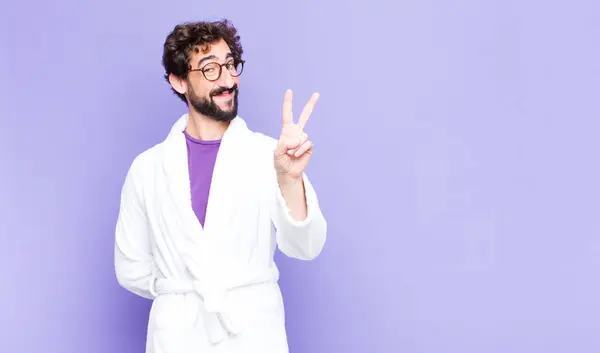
(202, 127)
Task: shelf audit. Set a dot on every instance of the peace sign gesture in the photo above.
(294, 148)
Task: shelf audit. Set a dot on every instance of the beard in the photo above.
(208, 107)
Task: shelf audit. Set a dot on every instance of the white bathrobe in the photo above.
(214, 288)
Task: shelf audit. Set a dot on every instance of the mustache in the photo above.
(220, 90)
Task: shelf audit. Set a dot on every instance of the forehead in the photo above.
(215, 51)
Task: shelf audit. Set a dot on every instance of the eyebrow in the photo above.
(213, 57)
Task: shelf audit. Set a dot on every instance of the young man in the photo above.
(195, 225)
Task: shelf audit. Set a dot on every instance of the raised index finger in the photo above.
(308, 109)
(288, 115)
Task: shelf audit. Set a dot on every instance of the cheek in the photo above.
(199, 90)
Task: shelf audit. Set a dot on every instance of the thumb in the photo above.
(286, 143)
(282, 147)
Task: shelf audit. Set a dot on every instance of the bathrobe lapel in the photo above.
(205, 250)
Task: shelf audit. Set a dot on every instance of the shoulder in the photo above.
(259, 148)
(264, 142)
(144, 162)
(263, 147)
(139, 173)
(260, 140)
(147, 157)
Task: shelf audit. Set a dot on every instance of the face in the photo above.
(215, 99)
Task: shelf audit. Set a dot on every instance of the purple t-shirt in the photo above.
(201, 162)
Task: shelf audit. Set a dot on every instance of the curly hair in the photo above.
(196, 36)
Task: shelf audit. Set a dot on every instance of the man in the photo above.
(195, 227)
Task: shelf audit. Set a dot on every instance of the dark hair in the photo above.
(196, 36)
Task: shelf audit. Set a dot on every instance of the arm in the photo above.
(301, 229)
(134, 265)
(294, 194)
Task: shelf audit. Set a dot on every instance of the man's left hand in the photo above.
(294, 147)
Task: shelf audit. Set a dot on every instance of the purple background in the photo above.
(456, 160)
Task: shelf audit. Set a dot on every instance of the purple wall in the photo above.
(456, 160)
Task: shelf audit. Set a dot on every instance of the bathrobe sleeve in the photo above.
(300, 239)
(133, 261)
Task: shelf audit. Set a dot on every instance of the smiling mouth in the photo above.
(227, 93)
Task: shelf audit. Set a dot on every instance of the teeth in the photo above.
(223, 93)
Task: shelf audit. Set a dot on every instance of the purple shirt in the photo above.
(201, 162)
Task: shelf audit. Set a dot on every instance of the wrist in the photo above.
(285, 180)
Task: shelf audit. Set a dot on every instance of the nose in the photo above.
(226, 80)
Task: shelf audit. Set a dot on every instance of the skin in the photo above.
(294, 148)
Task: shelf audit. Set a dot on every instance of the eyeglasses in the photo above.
(212, 71)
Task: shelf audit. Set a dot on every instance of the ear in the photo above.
(179, 84)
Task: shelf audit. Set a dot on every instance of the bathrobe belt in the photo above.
(217, 319)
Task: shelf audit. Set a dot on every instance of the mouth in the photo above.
(225, 93)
